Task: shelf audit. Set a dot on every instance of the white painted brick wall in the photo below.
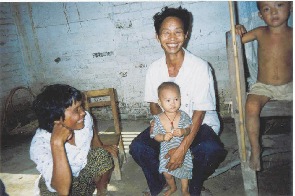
(102, 44)
(12, 69)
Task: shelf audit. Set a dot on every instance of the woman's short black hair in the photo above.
(181, 13)
(51, 103)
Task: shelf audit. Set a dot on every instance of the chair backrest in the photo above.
(91, 101)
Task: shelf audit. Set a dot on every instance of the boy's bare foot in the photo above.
(254, 162)
(170, 191)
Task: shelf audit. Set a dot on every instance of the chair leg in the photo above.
(118, 161)
(117, 169)
(122, 153)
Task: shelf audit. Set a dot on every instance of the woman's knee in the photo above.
(209, 151)
(104, 176)
(143, 143)
(136, 147)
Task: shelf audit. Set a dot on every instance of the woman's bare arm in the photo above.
(61, 175)
(155, 108)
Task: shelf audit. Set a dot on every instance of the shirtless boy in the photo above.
(275, 68)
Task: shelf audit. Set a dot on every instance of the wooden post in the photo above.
(238, 83)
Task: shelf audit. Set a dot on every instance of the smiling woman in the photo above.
(74, 116)
(66, 149)
(172, 35)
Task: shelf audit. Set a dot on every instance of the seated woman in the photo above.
(66, 148)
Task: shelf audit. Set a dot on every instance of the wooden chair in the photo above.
(112, 136)
(272, 108)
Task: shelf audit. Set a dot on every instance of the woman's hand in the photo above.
(112, 149)
(152, 124)
(176, 158)
(61, 133)
(61, 174)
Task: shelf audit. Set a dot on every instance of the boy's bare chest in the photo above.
(278, 47)
(283, 42)
(275, 54)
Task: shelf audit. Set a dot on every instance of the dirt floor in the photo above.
(18, 172)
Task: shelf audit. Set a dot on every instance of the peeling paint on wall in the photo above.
(141, 66)
(102, 54)
(123, 74)
(123, 24)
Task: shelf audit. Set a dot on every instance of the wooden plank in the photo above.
(110, 129)
(98, 93)
(127, 139)
(277, 108)
(99, 104)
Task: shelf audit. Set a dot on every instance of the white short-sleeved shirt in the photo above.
(196, 86)
(40, 151)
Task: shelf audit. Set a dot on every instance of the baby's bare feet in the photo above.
(254, 162)
(170, 191)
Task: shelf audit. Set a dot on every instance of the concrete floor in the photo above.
(18, 172)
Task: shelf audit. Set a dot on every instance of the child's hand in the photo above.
(240, 30)
(168, 136)
(178, 132)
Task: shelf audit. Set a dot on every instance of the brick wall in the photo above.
(12, 70)
(102, 44)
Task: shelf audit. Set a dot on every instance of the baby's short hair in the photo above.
(168, 85)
